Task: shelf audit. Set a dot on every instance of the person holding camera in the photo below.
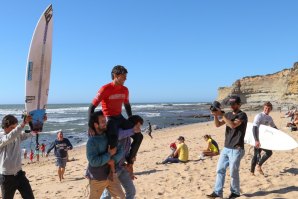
(233, 151)
(12, 177)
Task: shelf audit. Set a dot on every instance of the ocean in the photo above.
(72, 118)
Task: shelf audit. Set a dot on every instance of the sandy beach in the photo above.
(194, 179)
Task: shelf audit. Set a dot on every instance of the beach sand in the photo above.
(194, 179)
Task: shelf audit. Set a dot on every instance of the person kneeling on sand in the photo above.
(212, 148)
(100, 156)
(61, 145)
(181, 151)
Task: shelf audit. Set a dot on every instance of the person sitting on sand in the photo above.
(99, 157)
(181, 151)
(173, 148)
(294, 123)
(212, 148)
(61, 145)
(12, 177)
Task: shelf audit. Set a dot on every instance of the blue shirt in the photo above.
(98, 157)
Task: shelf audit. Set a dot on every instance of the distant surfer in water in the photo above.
(233, 151)
(265, 119)
(112, 96)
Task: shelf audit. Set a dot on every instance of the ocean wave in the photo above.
(64, 120)
(67, 110)
(11, 111)
(148, 114)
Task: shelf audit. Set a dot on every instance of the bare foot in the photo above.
(253, 174)
(259, 169)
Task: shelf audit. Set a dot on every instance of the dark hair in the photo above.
(94, 119)
(8, 120)
(136, 119)
(207, 136)
(268, 104)
(118, 70)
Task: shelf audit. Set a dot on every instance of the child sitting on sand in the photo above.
(212, 148)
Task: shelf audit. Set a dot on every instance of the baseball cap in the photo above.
(234, 100)
(181, 138)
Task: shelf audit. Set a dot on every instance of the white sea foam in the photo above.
(148, 114)
(67, 110)
(11, 111)
(64, 120)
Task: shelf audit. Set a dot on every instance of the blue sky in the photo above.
(175, 51)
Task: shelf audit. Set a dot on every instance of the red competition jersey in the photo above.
(111, 98)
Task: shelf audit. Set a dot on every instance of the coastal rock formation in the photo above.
(281, 88)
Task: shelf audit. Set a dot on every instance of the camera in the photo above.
(215, 106)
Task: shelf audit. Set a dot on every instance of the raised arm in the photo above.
(10, 137)
(232, 124)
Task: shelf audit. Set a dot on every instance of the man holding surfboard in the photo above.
(12, 177)
(265, 119)
(233, 151)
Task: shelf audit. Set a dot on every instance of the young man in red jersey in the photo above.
(112, 96)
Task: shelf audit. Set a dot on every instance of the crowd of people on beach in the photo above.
(114, 141)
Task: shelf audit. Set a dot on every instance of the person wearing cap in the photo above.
(181, 152)
(61, 145)
(233, 151)
(261, 119)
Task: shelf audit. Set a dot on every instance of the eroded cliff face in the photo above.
(279, 88)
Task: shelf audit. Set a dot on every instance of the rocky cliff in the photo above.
(280, 88)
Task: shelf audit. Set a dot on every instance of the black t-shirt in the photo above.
(235, 137)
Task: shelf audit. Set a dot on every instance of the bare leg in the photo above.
(62, 173)
(59, 174)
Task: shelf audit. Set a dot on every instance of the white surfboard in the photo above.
(38, 70)
(270, 138)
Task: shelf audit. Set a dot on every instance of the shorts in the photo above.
(61, 162)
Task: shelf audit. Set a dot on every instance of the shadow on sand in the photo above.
(291, 171)
(147, 172)
(278, 191)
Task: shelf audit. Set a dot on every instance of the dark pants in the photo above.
(171, 160)
(116, 122)
(19, 182)
(257, 159)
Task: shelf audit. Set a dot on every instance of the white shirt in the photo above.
(264, 119)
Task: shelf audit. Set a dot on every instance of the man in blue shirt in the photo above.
(61, 145)
(100, 156)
